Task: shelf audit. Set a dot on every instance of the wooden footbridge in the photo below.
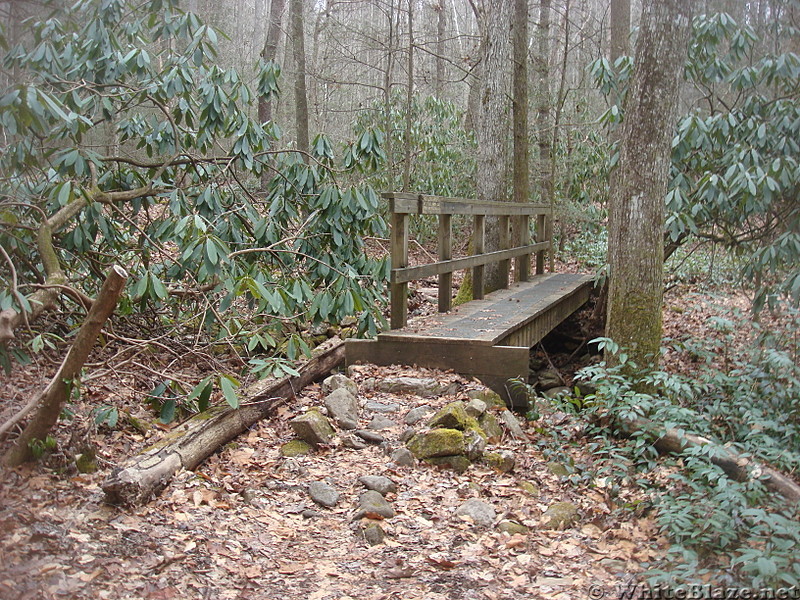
(489, 337)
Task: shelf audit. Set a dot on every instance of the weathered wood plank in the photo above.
(505, 244)
(522, 237)
(541, 236)
(494, 365)
(419, 204)
(445, 254)
(479, 244)
(399, 258)
(457, 264)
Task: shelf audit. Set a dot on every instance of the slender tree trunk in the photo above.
(441, 29)
(543, 122)
(270, 52)
(300, 91)
(409, 100)
(493, 127)
(620, 28)
(521, 160)
(636, 219)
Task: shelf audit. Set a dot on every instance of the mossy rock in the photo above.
(296, 448)
(492, 399)
(560, 515)
(372, 532)
(313, 427)
(529, 488)
(452, 416)
(437, 442)
(490, 426)
(458, 463)
(512, 527)
(86, 462)
(557, 468)
(501, 461)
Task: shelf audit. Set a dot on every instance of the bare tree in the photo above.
(300, 90)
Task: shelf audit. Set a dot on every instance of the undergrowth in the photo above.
(721, 531)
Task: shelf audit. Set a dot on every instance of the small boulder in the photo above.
(491, 427)
(380, 422)
(555, 392)
(481, 513)
(371, 504)
(372, 531)
(560, 515)
(378, 483)
(474, 444)
(407, 434)
(557, 468)
(511, 422)
(295, 448)
(458, 462)
(549, 378)
(475, 407)
(419, 386)
(502, 460)
(381, 407)
(452, 416)
(371, 437)
(512, 527)
(323, 493)
(343, 408)
(403, 457)
(437, 442)
(313, 428)
(492, 399)
(337, 381)
(351, 441)
(529, 488)
(415, 415)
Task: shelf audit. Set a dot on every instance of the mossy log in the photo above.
(736, 466)
(146, 474)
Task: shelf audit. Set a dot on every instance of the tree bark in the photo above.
(57, 391)
(492, 131)
(409, 100)
(520, 125)
(441, 28)
(638, 186)
(620, 28)
(543, 124)
(147, 473)
(300, 90)
(270, 52)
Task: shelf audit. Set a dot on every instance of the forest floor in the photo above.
(243, 526)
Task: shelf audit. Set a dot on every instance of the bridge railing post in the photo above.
(445, 253)
(505, 243)
(479, 243)
(541, 236)
(398, 292)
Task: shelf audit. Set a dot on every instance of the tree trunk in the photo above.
(636, 219)
(409, 100)
(57, 391)
(300, 91)
(270, 52)
(493, 126)
(521, 160)
(441, 28)
(147, 473)
(543, 125)
(620, 28)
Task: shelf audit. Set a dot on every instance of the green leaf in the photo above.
(229, 385)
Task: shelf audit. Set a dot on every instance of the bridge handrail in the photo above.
(401, 205)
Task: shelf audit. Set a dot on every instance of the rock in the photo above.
(318, 329)
(452, 416)
(492, 399)
(373, 533)
(511, 422)
(372, 504)
(530, 488)
(415, 415)
(295, 448)
(560, 515)
(458, 463)
(403, 457)
(370, 437)
(474, 444)
(348, 321)
(512, 527)
(313, 428)
(502, 460)
(86, 462)
(343, 407)
(408, 434)
(548, 378)
(437, 442)
(309, 514)
(380, 422)
(418, 386)
(482, 513)
(351, 441)
(536, 364)
(475, 407)
(381, 407)
(490, 426)
(585, 388)
(557, 469)
(555, 392)
(323, 493)
(378, 483)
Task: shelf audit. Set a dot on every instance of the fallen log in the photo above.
(736, 466)
(188, 445)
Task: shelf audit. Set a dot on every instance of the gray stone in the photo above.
(492, 399)
(458, 463)
(511, 422)
(474, 444)
(318, 329)
(371, 503)
(488, 422)
(549, 378)
(371, 437)
(418, 386)
(554, 392)
(337, 381)
(323, 493)
(452, 416)
(343, 407)
(415, 415)
(403, 457)
(380, 422)
(557, 468)
(560, 515)
(502, 460)
(482, 513)
(378, 483)
(313, 427)
(295, 448)
(351, 441)
(586, 389)
(408, 434)
(373, 533)
(309, 514)
(475, 407)
(381, 407)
